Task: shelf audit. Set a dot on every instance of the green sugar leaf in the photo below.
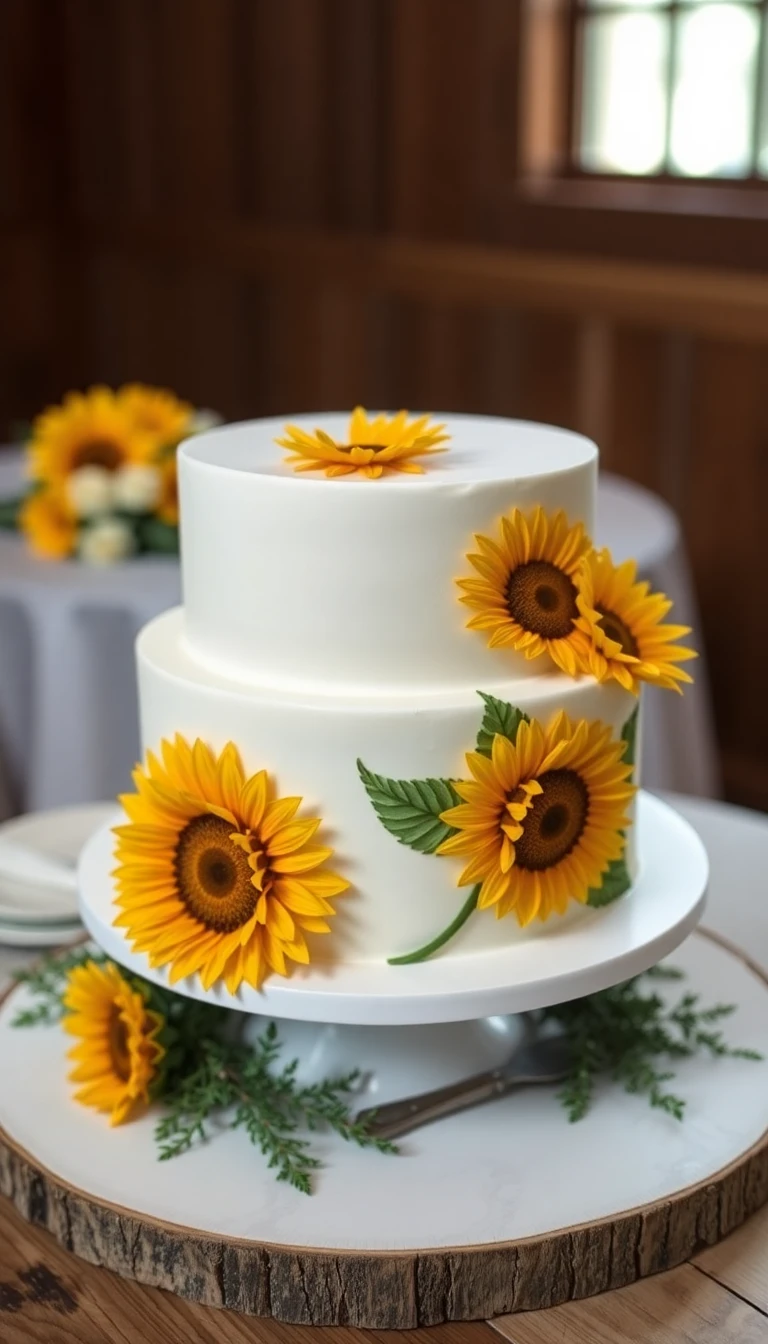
(499, 718)
(629, 736)
(613, 885)
(410, 808)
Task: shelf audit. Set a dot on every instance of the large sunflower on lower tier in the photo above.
(543, 818)
(118, 1052)
(525, 595)
(90, 429)
(216, 876)
(374, 447)
(622, 621)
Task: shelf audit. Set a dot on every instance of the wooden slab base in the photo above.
(719, 1157)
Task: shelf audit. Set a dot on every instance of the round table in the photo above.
(68, 706)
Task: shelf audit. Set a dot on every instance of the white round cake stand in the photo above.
(600, 948)
(462, 1011)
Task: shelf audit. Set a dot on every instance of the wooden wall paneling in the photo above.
(435, 71)
(122, 298)
(251, 356)
(674, 459)
(634, 440)
(498, 336)
(91, 55)
(27, 354)
(549, 371)
(382, 340)
(441, 370)
(207, 367)
(292, 382)
(137, 76)
(29, 173)
(595, 376)
(342, 348)
(724, 519)
(285, 101)
(194, 62)
(359, 85)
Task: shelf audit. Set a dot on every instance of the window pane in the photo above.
(623, 102)
(762, 141)
(712, 106)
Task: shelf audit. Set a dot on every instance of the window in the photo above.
(675, 88)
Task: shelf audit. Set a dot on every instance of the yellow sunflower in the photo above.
(375, 447)
(168, 507)
(49, 524)
(89, 429)
(216, 876)
(543, 818)
(118, 1051)
(525, 597)
(622, 622)
(156, 412)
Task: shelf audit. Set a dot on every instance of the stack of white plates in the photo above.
(38, 889)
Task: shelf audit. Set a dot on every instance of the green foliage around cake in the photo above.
(210, 1079)
(410, 808)
(617, 880)
(500, 719)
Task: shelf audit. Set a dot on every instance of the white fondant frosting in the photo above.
(347, 586)
(310, 744)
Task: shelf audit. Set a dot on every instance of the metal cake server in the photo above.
(536, 1062)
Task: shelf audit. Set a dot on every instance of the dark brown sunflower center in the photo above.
(213, 876)
(617, 630)
(542, 599)
(555, 822)
(97, 453)
(373, 447)
(118, 1046)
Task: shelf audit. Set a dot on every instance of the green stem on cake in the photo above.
(422, 953)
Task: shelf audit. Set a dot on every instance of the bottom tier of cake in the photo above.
(340, 756)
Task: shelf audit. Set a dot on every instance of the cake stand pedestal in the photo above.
(503, 1208)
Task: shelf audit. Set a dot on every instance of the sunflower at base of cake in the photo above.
(397, 713)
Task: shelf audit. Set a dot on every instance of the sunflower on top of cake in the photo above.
(375, 446)
(102, 470)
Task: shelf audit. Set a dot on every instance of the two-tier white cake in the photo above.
(322, 627)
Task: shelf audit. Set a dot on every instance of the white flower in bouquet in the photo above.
(90, 491)
(203, 420)
(106, 541)
(137, 489)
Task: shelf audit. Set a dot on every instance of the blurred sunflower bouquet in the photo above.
(102, 470)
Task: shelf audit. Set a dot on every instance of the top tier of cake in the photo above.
(347, 585)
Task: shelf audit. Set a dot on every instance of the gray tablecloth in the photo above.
(68, 709)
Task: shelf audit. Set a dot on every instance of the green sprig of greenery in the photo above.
(210, 1077)
(243, 1087)
(630, 1035)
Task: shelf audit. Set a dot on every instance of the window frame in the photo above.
(531, 200)
(577, 15)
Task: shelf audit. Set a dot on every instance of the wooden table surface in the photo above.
(720, 1297)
